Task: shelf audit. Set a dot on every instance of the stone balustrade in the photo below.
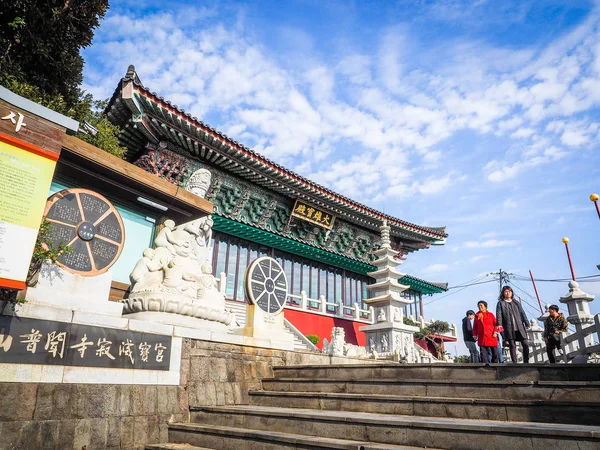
(571, 347)
(423, 323)
(321, 306)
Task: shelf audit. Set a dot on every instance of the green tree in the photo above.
(432, 331)
(41, 40)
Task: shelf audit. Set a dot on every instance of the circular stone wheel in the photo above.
(88, 223)
(267, 285)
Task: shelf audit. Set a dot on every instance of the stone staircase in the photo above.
(300, 341)
(394, 406)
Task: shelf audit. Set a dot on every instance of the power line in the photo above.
(468, 283)
(472, 284)
(589, 278)
(459, 290)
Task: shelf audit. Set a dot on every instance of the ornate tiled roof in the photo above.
(422, 286)
(145, 117)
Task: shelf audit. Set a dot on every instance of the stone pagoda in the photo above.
(388, 335)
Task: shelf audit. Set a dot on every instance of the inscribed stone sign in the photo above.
(90, 225)
(32, 341)
(267, 285)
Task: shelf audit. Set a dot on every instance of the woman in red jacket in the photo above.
(486, 333)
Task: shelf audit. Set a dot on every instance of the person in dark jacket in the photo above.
(555, 324)
(512, 323)
(467, 329)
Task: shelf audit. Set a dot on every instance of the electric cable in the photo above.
(586, 279)
(455, 292)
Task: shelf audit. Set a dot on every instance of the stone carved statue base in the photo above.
(180, 321)
(147, 303)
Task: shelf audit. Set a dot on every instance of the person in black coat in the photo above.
(467, 329)
(513, 323)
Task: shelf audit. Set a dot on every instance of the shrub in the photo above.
(313, 338)
(409, 321)
(44, 251)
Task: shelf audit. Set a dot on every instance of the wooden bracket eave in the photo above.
(127, 174)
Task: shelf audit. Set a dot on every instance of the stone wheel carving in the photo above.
(88, 223)
(267, 285)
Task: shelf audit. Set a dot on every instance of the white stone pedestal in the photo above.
(58, 288)
(266, 328)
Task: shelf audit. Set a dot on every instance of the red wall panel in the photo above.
(309, 323)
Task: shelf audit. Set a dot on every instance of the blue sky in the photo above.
(483, 116)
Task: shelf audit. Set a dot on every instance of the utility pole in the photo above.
(503, 278)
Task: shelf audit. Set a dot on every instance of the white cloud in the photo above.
(366, 124)
(523, 133)
(436, 268)
(489, 243)
(500, 172)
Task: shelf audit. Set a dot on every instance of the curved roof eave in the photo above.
(435, 235)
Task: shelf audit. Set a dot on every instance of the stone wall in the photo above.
(69, 416)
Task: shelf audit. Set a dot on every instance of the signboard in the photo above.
(267, 285)
(32, 341)
(90, 225)
(314, 215)
(25, 175)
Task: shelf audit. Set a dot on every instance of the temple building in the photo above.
(323, 240)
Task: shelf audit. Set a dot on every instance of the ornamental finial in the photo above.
(385, 235)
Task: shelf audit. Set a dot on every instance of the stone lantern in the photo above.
(578, 306)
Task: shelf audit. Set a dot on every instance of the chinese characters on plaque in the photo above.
(31, 341)
(314, 215)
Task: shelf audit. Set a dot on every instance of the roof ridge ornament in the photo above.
(132, 75)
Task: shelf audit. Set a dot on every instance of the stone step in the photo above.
(498, 372)
(449, 433)
(577, 391)
(175, 447)
(548, 411)
(233, 438)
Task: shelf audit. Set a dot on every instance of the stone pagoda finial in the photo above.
(385, 235)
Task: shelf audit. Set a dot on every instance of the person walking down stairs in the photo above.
(555, 324)
(512, 323)
(467, 329)
(484, 329)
